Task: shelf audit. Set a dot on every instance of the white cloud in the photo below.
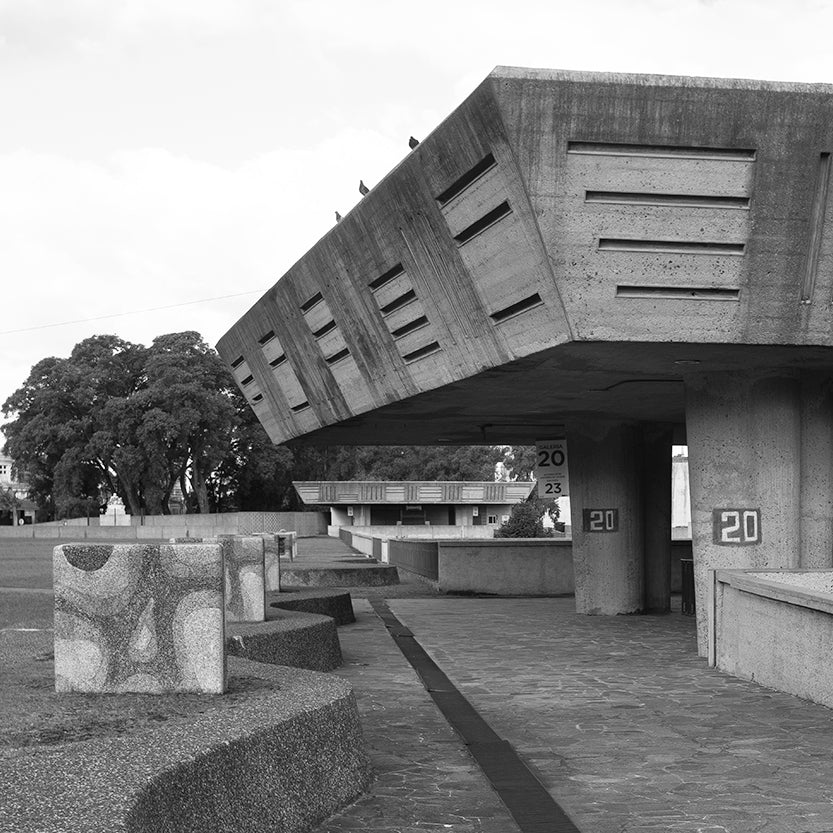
(161, 151)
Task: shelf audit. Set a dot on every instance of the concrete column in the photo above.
(744, 451)
(607, 517)
(816, 472)
(656, 472)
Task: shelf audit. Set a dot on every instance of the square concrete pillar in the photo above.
(656, 473)
(761, 468)
(605, 465)
(139, 618)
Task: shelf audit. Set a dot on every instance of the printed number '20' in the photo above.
(737, 526)
(550, 457)
(600, 520)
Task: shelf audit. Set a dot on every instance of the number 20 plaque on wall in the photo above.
(736, 527)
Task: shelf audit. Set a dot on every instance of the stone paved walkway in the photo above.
(627, 728)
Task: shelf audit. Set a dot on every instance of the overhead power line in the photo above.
(131, 312)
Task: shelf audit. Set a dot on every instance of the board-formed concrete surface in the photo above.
(591, 237)
(624, 261)
(139, 618)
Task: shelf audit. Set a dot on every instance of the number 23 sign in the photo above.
(551, 468)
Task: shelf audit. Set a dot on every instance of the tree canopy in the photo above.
(116, 418)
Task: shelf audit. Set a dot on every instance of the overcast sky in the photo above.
(162, 153)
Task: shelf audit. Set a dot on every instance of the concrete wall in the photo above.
(444, 531)
(776, 633)
(507, 567)
(163, 527)
(418, 557)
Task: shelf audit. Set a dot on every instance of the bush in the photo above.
(526, 519)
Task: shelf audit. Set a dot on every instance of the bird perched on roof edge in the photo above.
(338, 217)
(363, 189)
(412, 142)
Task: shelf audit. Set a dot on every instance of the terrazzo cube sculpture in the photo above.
(272, 562)
(245, 567)
(144, 618)
(287, 542)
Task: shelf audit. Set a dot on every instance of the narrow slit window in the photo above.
(421, 352)
(247, 381)
(302, 406)
(278, 360)
(322, 331)
(266, 338)
(489, 219)
(459, 185)
(395, 272)
(680, 151)
(237, 362)
(680, 247)
(257, 398)
(308, 305)
(517, 308)
(337, 357)
(679, 293)
(674, 200)
(396, 303)
(409, 327)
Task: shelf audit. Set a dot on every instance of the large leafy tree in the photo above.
(119, 418)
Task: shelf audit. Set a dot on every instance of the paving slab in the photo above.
(625, 725)
(425, 778)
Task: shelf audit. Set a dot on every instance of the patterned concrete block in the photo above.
(139, 618)
(272, 556)
(244, 565)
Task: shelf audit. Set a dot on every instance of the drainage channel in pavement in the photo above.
(532, 807)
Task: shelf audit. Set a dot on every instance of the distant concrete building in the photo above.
(415, 503)
(16, 508)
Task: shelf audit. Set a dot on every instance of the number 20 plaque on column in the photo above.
(551, 468)
(736, 527)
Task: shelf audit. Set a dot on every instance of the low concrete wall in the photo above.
(163, 527)
(284, 754)
(362, 543)
(418, 557)
(306, 524)
(507, 567)
(415, 531)
(776, 628)
(496, 565)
